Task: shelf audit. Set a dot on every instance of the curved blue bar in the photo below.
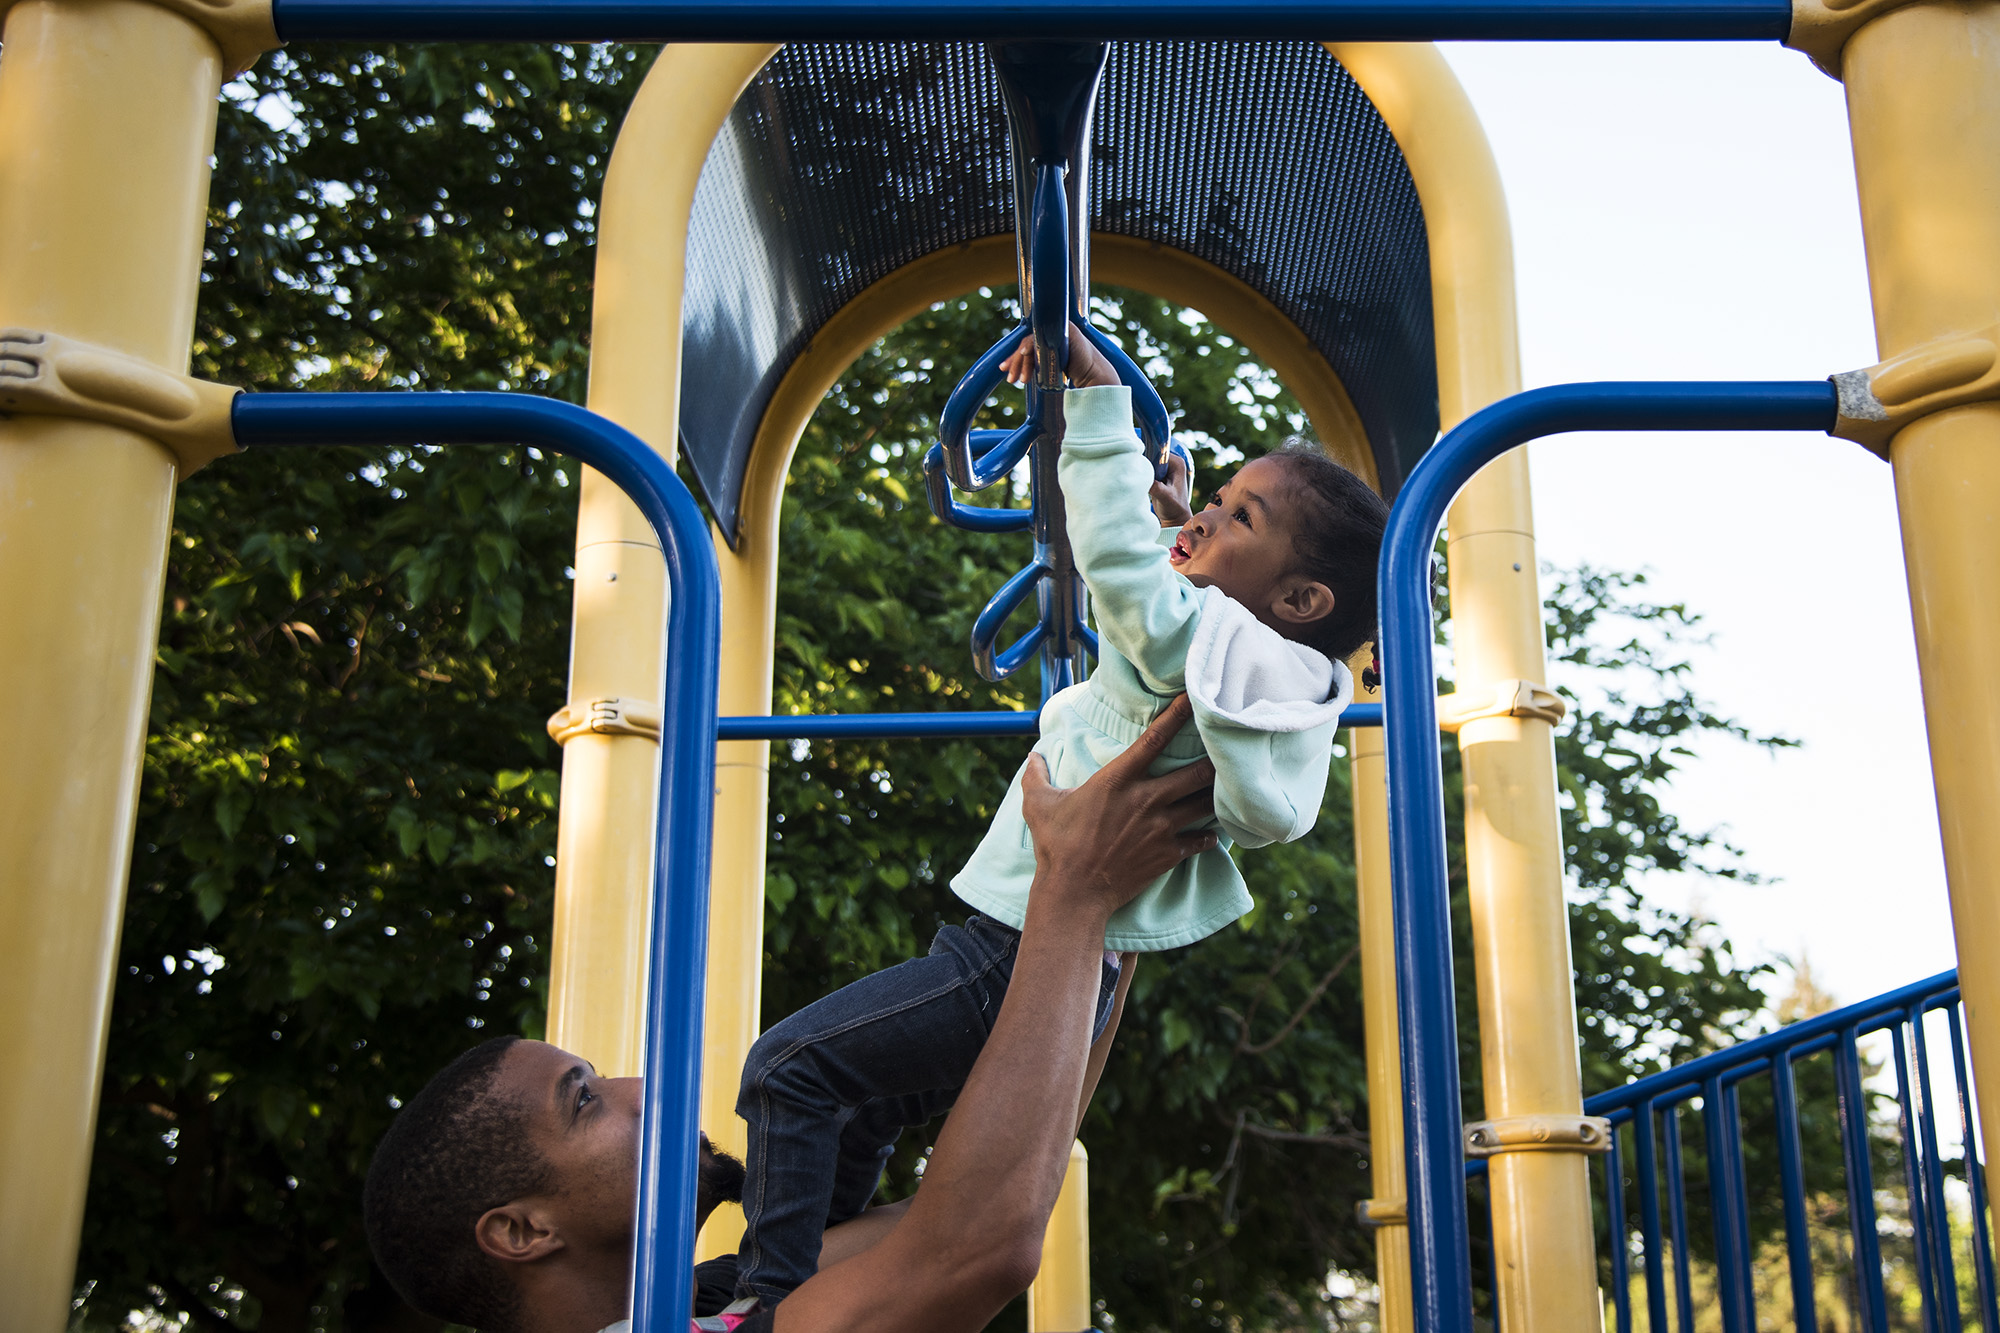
(968, 518)
(1048, 20)
(955, 422)
(1001, 605)
(1154, 425)
(662, 1277)
(1441, 1283)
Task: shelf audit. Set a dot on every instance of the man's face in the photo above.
(587, 1128)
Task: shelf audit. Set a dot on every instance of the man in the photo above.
(503, 1194)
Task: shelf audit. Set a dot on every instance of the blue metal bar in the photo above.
(1862, 1018)
(907, 726)
(877, 726)
(1440, 1286)
(1937, 1210)
(1728, 1208)
(1855, 1145)
(1646, 1166)
(1975, 1175)
(1618, 1236)
(957, 454)
(1792, 1184)
(1070, 20)
(990, 662)
(1914, 1182)
(664, 1244)
(1678, 1218)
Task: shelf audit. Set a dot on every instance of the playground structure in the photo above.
(98, 267)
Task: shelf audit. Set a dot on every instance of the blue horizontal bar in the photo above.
(1073, 20)
(876, 726)
(905, 726)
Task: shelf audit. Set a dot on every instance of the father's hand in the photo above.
(1104, 841)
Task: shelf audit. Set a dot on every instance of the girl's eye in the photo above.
(1242, 516)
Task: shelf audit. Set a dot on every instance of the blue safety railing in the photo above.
(1074, 20)
(1439, 1260)
(662, 1278)
(1647, 1115)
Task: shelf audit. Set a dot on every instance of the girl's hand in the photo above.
(1172, 498)
(1087, 366)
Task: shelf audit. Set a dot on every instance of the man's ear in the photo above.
(1303, 602)
(517, 1233)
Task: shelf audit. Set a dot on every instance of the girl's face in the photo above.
(1242, 542)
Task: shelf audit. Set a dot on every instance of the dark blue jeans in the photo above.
(828, 1091)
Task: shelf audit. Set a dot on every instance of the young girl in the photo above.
(1248, 607)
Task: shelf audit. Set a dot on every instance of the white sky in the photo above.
(1687, 211)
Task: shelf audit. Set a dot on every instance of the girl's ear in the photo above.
(1304, 602)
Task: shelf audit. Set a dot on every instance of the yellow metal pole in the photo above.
(1388, 1211)
(610, 762)
(1543, 1237)
(1059, 1299)
(107, 118)
(1923, 100)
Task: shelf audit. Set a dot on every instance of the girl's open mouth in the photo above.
(1178, 553)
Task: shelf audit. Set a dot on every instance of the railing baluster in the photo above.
(1975, 1172)
(1855, 1143)
(1614, 1227)
(1913, 1176)
(1724, 1136)
(1677, 1216)
(1937, 1211)
(1792, 1181)
(1646, 1170)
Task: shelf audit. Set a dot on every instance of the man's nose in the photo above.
(629, 1092)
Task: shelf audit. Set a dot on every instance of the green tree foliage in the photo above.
(342, 872)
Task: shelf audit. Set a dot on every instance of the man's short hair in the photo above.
(457, 1149)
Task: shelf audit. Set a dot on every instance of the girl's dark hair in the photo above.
(1337, 535)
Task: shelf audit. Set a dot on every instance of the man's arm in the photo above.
(972, 1238)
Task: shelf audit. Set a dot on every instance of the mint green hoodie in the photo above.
(1265, 708)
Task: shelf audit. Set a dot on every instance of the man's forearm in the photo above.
(1019, 1104)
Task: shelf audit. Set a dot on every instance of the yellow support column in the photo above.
(1388, 1211)
(1059, 1300)
(1542, 1232)
(107, 118)
(609, 728)
(1923, 99)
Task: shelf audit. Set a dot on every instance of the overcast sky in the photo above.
(1688, 212)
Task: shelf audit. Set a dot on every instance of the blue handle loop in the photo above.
(987, 627)
(954, 448)
(1155, 427)
(971, 518)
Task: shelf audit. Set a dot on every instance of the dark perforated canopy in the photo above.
(843, 162)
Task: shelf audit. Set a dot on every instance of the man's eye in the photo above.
(584, 1097)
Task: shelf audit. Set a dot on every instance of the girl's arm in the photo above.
(1100, 1050)
(1145, 610)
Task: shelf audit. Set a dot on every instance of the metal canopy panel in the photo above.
(843, 162)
